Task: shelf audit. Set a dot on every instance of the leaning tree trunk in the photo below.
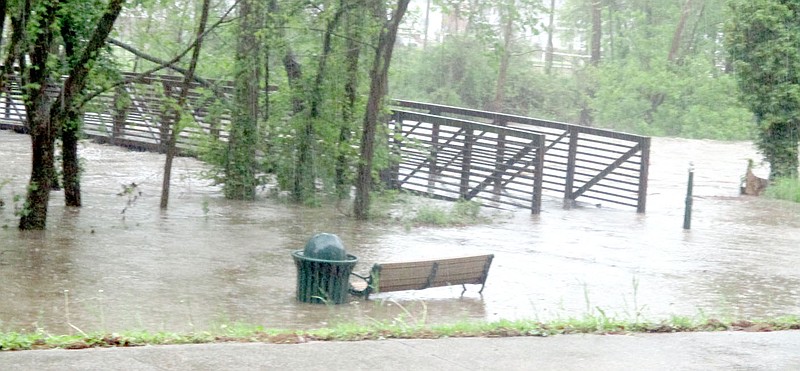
(377, 91)
(174, 124)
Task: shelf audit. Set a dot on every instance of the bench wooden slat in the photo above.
(417, 275)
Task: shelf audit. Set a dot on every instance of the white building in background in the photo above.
(425, 24)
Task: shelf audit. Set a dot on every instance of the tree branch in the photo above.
(161, 64)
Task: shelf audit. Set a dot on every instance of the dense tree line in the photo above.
(311, 77)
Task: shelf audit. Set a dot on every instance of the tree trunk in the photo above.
(293, 68)
(677, 36)
(45, 117)
(240, 169)
(350, 92)
(778, 142)
(43, 132)
(502, 73)
(70, 163)
(548, 56)
(305, 174)
(34, 213)
(3, 6)
(185, 86)
(597, 32)
(377, 91)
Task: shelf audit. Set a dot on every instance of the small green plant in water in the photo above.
(205, 207)
(462, 212)
(132, 192)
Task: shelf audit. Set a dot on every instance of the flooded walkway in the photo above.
(119, 263)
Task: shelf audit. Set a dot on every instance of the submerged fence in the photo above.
(580, 163)
(446, 152)
(459, 159)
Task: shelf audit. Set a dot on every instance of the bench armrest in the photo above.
(367, 288)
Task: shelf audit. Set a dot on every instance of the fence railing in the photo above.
(133, 114)
(455, 159)
(581, 163)
(459, 152)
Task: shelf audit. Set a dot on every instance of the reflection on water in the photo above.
(207, 260)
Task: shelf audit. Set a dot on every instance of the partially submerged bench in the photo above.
(418, 275)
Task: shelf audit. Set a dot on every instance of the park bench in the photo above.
(418, 275)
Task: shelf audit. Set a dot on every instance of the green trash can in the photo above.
(323, 270)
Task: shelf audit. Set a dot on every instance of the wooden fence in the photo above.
(132, 114)
(447, 152)
(455, 159)
(580, 163)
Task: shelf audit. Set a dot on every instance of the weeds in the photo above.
(461, 213)
(132, 192)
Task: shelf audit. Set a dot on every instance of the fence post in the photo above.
(466, 163)
(687, 215)
(536, 202)
(644, 173)
(571, 159)
(500, 155)
(433, 165)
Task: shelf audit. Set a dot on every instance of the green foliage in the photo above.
(784, 189)
(445, 74)
(697, 100)
(762, 38)
(634, 89)
(461, 213)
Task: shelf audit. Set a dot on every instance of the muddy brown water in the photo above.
(207, 261)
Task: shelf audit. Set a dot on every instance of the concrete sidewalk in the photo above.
(681, 351)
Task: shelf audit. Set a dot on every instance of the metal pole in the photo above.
(687, 215)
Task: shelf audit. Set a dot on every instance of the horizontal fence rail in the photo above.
(133, 114)
(456, 159)
(581, 163)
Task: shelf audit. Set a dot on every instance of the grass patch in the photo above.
(590, 324)
(410, 210)
(461, 213)
(784, 189)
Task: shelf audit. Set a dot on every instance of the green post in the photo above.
(687, 215)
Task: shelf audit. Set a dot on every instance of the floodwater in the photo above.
(119, 263)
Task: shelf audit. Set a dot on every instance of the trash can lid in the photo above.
(325, 246)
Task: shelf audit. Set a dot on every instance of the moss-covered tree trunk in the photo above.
(343, 154)
(240, 167)
(46, 116)
(70, 162)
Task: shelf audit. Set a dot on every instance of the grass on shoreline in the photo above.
(380, 331)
